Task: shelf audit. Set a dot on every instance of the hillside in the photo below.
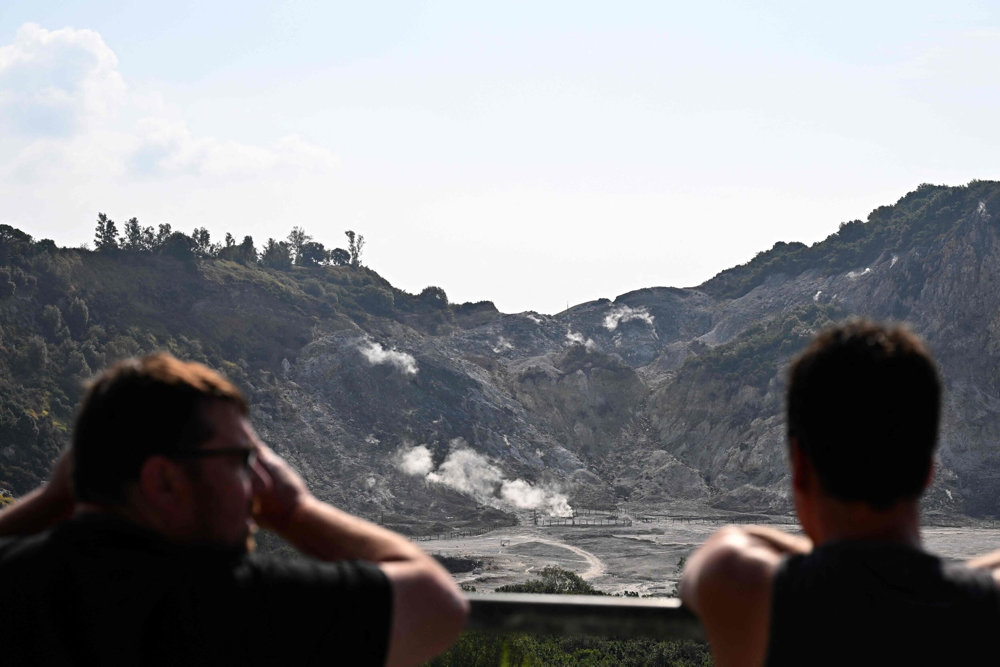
(426, 414)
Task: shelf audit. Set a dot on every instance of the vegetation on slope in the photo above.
(68, 313)
(914, 221)
(752, 358)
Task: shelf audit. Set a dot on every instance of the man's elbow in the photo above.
(453, 610)
(430, 613)
(449, 607)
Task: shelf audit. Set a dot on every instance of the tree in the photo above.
(376, 300)
(163, 234)
(244, 253)
(554, 580)
(46, 245)
(31, 356)
(77, 316)
(340, 257)
(434, 296)
(248, 253)
(203, 242)
(10, 234)
(179, 245)
(14, 244)
(51, 321)
(136, 238)
(312, 254)
(7, 286)
(355, 242)
(106, 234)
(296, 239)
(276, 255)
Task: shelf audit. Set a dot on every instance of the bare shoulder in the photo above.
(727, 583)
(731, 560)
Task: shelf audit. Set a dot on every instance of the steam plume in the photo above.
(857, 274)
(471, 473)
(625, 313)
(376, 354)
(416, 461)
(578, 339)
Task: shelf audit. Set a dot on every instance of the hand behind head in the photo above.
(278, 489)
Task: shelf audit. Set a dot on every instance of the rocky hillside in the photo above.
(426, 414)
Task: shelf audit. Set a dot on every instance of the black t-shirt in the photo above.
(855, 603)
(101, 591)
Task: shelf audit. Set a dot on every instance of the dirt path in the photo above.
(596, 568)
(495, 545)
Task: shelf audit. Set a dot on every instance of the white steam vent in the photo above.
(626, 314)
(375, 354)
(416, 461)
(471, 473)
(578, 339)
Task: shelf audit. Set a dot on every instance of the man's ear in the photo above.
(164, 487)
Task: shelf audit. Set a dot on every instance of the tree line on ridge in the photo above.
(299, 249)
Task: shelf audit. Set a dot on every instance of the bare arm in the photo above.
(43, 507)
(428, 612)
(778, 540)
(727, 583)
(990, 561)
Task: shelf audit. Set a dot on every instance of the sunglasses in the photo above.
(247, 455)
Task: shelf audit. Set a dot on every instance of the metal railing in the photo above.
(655, 618)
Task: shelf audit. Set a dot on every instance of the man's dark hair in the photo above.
(140, 408)
(863, 404)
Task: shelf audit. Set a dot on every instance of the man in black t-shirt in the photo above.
(145, 558)
(862, 417)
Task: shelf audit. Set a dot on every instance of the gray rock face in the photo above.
(427, 415)
(667, 394)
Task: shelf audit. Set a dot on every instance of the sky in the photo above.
(535, 154)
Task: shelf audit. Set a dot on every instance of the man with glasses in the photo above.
(148, 560)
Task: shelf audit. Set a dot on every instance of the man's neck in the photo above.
(126, 512)
(857, 521)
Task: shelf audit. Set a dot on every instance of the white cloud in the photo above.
(375, 354)
(66, 112)
(169, 147)
(625, 313)
(55, 83)
(471, 473)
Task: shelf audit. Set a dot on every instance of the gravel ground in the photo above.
(641, 558)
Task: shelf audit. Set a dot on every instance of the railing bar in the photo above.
(659, 618)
